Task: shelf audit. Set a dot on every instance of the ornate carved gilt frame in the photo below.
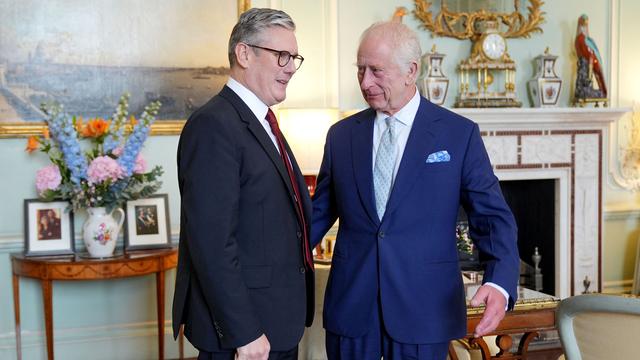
(445, 21)
(164, 127)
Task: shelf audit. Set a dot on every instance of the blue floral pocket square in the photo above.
(439, 156)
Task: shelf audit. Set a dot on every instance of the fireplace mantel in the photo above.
(570, 146)
(557, 117)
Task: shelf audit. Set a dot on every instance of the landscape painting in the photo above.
(85, 53)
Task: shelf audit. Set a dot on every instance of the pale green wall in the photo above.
(115, 319)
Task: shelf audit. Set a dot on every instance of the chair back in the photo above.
(598, 326)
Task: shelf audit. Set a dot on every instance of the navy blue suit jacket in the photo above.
(410, 259)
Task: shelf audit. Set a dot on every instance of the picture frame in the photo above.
(48, 228)
(147, 223)
(55, 52)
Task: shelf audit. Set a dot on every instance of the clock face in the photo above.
(494, 46)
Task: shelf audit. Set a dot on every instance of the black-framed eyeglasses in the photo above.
(283, 56)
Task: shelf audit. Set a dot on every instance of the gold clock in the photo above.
(487, 77)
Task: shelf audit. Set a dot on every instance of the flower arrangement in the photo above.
(463, 240)
(104, 171)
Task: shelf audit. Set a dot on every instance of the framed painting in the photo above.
(147, 223)
(48, 228)
(85, 53)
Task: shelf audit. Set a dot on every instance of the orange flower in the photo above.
(32, 144)
(79, 125)
(132, 120)
(95, 128)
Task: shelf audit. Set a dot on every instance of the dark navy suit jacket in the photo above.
(409, 259)
(240, 266)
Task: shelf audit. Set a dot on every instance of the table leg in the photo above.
(181, 343)
(16, 311)
(48, 315)
(160, 303)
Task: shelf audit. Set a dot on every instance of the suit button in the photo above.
(299, 234)
(302, 270)
(381, 234)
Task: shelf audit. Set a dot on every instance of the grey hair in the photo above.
(403, 41)
(251, 25)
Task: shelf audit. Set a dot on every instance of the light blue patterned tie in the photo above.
(383, 169)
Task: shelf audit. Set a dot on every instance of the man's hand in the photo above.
(494, 311)
(258, 349)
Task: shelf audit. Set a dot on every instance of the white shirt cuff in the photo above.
(502, 291)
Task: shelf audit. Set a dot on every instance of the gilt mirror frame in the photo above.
(447, 23)
(20, 129)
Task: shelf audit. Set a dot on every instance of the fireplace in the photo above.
(532, 203)
(565, 150)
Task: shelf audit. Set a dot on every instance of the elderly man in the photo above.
(395, 175)
(244, 287)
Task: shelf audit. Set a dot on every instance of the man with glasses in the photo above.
(244, 285)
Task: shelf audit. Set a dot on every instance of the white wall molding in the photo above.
(617, 286)
(15, 242)
(84, 339)
(621, 212)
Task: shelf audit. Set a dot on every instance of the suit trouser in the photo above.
(231, 355)
(377, 343)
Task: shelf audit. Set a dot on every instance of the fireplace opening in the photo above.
(533, 205)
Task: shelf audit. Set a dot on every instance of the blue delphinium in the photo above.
(116, 135)
(139, 134)
(64, 134)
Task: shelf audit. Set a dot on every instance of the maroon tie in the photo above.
(273, 123)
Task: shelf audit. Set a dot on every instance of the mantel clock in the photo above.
(487, 78)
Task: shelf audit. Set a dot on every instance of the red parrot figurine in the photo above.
(586, 48)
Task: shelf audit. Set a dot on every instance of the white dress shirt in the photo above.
(404, 122)
(257, 107)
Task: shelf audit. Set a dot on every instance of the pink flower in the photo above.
(141, 165)
(104, 168)
(48, 178)
(117, 151)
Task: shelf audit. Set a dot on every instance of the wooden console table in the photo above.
(75, 268)
(533, 312)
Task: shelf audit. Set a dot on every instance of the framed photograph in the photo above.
(59, 51)
(147, 223)
(48, 228)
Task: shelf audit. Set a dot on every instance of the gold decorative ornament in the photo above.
(487, 77)
(446, 21)
(243, 5)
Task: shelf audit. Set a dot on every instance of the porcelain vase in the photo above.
(100, 231)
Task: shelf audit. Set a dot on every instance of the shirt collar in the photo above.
(257, 107)
(405, 115)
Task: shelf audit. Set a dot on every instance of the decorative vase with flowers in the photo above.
(100, 173)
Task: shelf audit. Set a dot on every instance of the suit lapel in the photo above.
(421, 140)
(259, 133)
(361, 151)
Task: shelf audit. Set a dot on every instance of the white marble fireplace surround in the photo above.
(569, 146)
